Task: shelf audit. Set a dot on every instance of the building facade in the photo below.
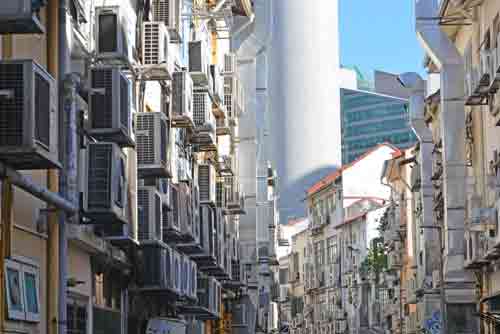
(146, 230)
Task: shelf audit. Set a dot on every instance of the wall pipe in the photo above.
(68, 178)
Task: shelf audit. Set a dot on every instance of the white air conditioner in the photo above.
(171, 221)
(21, 17)
(169, 12)
(110, 106)
(206, 183)
(149, 207)
(229, 64)
(155, 52)
(112, 35)
(203, 117)
(153, 145)
(199, 63)
(218, 88)
(28, 116)
(182, 100)
(106, 189)
(239, 315)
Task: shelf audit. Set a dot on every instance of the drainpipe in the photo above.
(68, 150)
(445, 55)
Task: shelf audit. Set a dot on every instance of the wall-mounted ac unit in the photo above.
(149, 206)
(177, 272)
(110, 102)
(239, 315)
(185, 275)
(21, 17)
(156, 271)
(155, 52)
(207, 236)
(106, 189)
(206, 182)
(221, 231)
(188, 232)
(199, 67)
(111, 35)
(182, 100)
(218, 88)
(220, 201)
(204, 120)
(192, 243)
(169, 12)
(28, 116)
(171, 220)
(153, 145)
(193, 281)
(209, 295)
(229, 64)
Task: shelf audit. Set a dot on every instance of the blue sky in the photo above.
(379, 35)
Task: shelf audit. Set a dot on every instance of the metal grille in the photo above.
(102, 104)
(196, 57)
(204, 182)
(124, 103)
(158, 220)
(200, 111)
(228, 85)
(229, 63)
(221, 194)
(99, 176)
(11, 109)
(108, 28)
(42, 110)
(163, 141)
(145, 140)
(162, 11)
(228, 103)
(177, 93)
(151, 43)
(174, 197)
(143, 204)
(165, 217)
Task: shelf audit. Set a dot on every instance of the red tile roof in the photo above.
(352, 219)
(333, 176)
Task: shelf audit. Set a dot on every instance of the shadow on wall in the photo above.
(292, 202)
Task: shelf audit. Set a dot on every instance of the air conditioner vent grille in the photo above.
(11, 117)
(124, 103)
(158, 219)
(99, 179)
(145, 142)
(162, 10)
(200, 112)
(204, 182)
(102, 104)
(42, 110)
(143, 204)
(164, 135)
(108, 29)
(151, 44)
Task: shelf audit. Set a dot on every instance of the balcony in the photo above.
(476, 82)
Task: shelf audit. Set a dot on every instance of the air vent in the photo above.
(229, 64)
(182, 100)
(110, 106)
(21, 17)
(105, 198)
(155, 52)
(169, 12)
(153, 145)
(28, 117)
(206, 183)
(171, 221)
(157, 269)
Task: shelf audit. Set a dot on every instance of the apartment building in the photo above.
(122, 201)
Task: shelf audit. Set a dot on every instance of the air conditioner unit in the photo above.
(206, 182)
(110, 102)
(221, 231)
(21, 17)
(186, 213)
(182, 100)
(207, 236)
(185, 272)
(229, 64)
(239, 315)
(153, 145)
(28, 116)
(112, 35)
(177, 272)
(193, 281)
(149, 205)
(155, 52)
(106, 189)
(153, 263)
(192, 243)
(171, 221)
(217, 298)
(169, 12)
(199, 63)
(218, 88)
(220, 200)
(203, 117)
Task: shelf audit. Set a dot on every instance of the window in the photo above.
(77, 316)
(23, 287)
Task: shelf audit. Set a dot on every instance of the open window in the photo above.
(22, 283)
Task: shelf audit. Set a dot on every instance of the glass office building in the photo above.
(369, 118)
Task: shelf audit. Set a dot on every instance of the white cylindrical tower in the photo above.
(305, 98)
